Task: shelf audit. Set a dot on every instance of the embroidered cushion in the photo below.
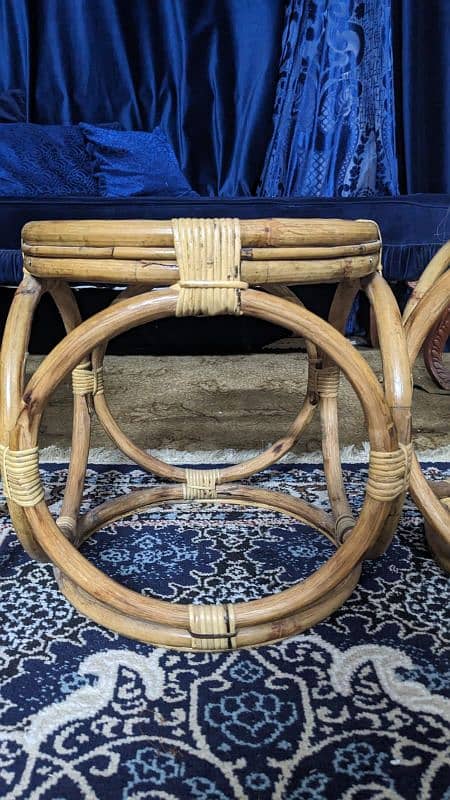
(135, 163)
(44, 160)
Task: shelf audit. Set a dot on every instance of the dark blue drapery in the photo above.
(334, 111)
(206, 71)
(422, 86)
(209, 72)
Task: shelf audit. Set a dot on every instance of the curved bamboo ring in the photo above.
(434, 508)
(12, 373)
(236, 472)
(121, 506)
(257, 621)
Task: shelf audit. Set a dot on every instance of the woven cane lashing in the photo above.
(200, 484)
(208, 253)
(87, 381)
(328, 381)
(212, 627)
(389, 473)
(21, 479)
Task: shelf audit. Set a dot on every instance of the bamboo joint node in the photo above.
(328, 381)
(200, 484)
(21, 479)
(208, 254)
(86, 380)
(389, 473)
(212, 627)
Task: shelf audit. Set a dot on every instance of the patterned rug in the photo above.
(356, 709)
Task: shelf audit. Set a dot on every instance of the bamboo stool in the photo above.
(205, 267)
(428, 305)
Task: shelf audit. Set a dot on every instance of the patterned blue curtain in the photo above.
(334, 111)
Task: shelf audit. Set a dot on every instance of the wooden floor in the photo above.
(240, 402)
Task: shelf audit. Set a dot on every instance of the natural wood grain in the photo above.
(165, 273)
(159, 233)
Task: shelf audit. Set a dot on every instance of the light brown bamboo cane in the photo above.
(228, 474)
(159, 233)
(431, 307)
(437, 266)
(397, 381)
(329, 421)
(12, 373)
(250, 636)
(168, 253)
(119, 507)
(81, 423)
(165, 273)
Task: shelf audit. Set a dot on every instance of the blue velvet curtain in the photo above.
(205, 70)
(211, 72)
(334, 129)
(422, 87)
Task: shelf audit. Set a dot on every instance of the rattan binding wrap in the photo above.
(200, 484)
(208, 253)
(21, 479)
(328, 381)
(87, 381)
(212, 627)
(389, 473)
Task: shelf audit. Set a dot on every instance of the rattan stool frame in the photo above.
(270, 252)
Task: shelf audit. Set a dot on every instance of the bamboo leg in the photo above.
(12, 372)
(81, 426)
(329, 421)
(397, 381)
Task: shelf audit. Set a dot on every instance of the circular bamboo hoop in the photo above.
(236, 472)
(258, 621)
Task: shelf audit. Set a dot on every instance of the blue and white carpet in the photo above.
(356, 709)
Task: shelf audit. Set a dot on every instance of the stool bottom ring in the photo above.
(160, 633)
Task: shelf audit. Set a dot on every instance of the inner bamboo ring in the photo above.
(236, 472)
(234, 494)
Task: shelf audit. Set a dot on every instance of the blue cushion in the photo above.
(135, 163)
(44, 160)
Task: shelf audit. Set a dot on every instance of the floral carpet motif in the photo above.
(356, 709)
